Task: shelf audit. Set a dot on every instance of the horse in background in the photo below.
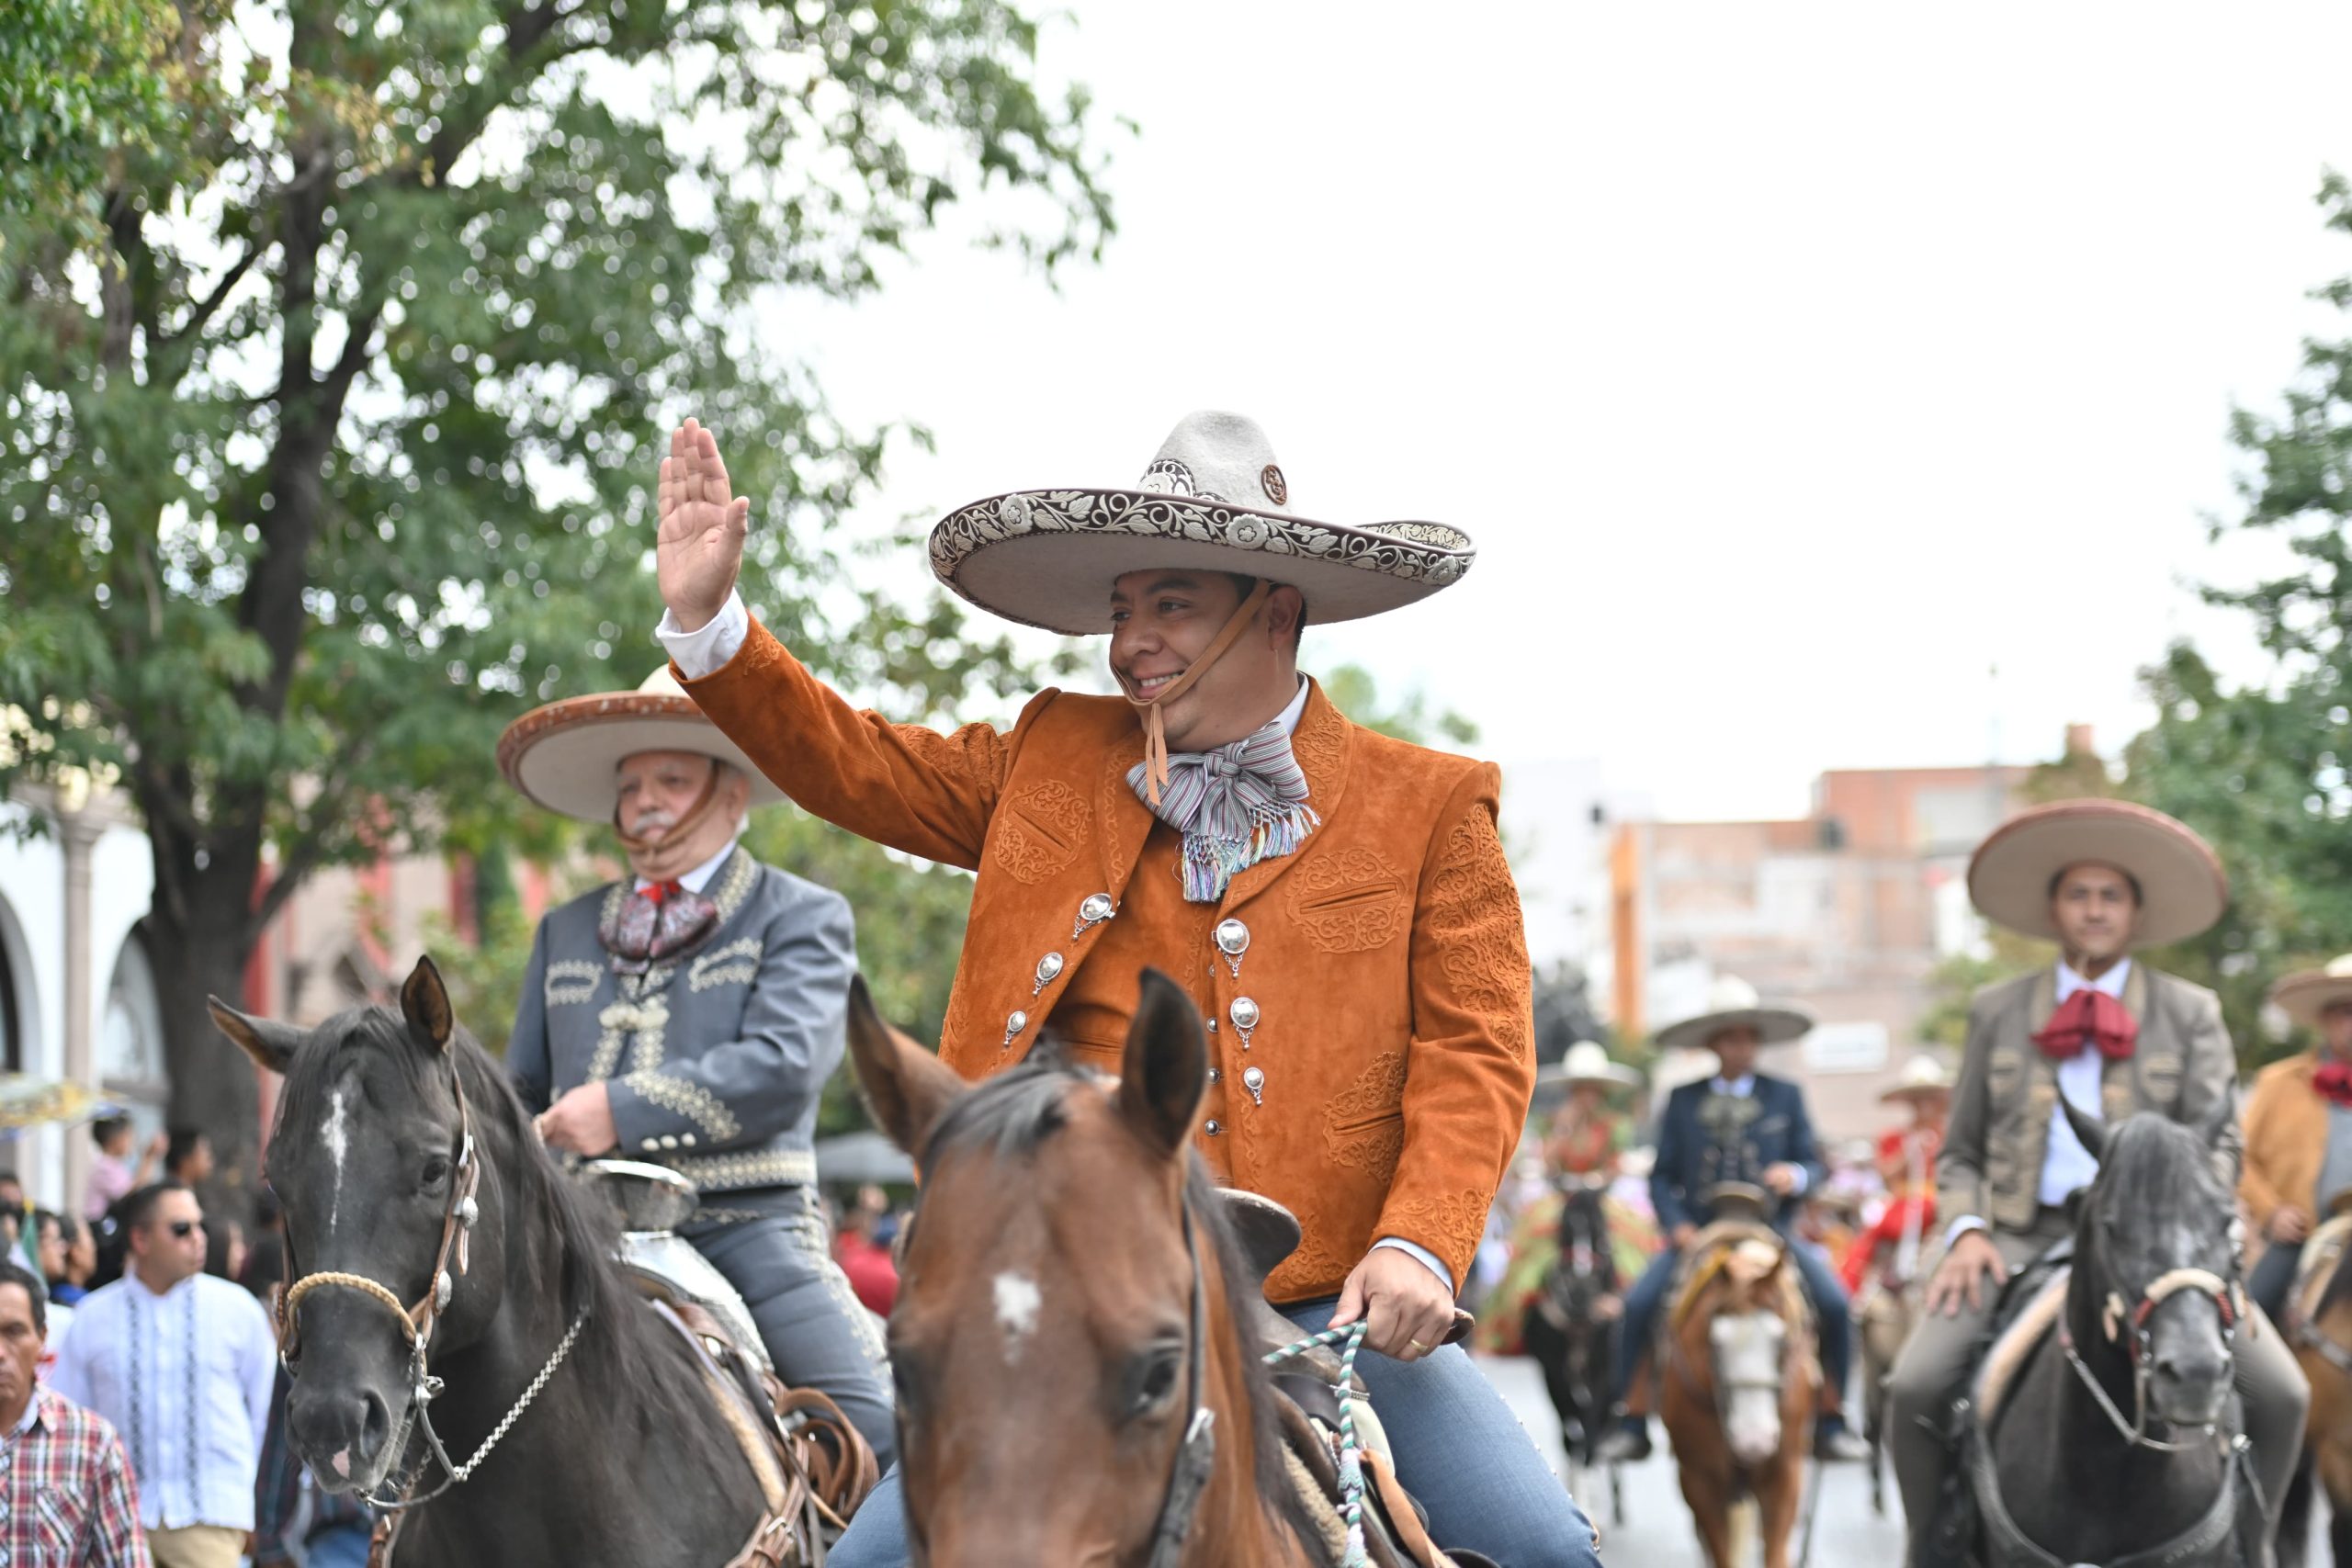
(1571, 1329)
(2318, 1324)
(400, 1157)
(2106, 1411)
(1740, 1380)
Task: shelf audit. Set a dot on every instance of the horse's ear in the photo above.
(2088, 1129)
(906, 1086)
(424, 1002)
(271, 1044)
(1166, 1070)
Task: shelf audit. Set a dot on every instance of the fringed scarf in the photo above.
(1236, 806)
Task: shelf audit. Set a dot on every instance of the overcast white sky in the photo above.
(1793, 365)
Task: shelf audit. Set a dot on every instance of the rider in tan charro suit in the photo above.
(1336, 902)
(2115, 1037)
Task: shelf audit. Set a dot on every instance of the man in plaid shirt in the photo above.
(67, 1496)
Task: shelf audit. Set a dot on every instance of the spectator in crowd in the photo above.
(111, 1176)
(48, 1255)
(293, 1514)
(66, 1497)
(188, 1157)
(865, 1254)
(225, 1251)
(80, 1254)
(183, 1364)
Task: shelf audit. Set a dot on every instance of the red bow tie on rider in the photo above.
(2089, 1017)
(2334, 1082)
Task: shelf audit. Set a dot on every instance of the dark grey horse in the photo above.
(620, 1458)
(2116, 1438)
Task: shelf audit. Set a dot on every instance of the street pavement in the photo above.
(1656, 1532)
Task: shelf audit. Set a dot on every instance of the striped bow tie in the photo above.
(1236, 806)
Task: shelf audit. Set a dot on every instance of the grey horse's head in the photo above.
(2155, 1237)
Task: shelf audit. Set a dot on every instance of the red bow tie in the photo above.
(662, 892)
(2089, 1017)
(2334, 1082)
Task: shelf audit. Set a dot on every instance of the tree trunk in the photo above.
(213, 1088)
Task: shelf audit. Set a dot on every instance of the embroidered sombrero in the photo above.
(1732, 1003)
(1214, 500)
(563, 756)
(2308, 993)
(2182, 887)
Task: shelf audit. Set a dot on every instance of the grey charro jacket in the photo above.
(2183, 1067)
(716, 1057)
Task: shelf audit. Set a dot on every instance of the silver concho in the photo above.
(1096, 908)
(1254, 1080)
(1244, 1013)
(1015, 1023)
(1232, 939)
(1047, 967)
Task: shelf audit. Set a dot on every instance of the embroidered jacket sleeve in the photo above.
(1959, 1167)
(2258, 1188)
(749, 1090)
(1469, 1066)
(1666, 1171)
(900, 784)
(529, 1061)
(2209, 1080)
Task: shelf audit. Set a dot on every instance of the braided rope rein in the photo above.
(1350, 1455)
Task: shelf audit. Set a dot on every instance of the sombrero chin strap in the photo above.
(705, 804)
(1155, 729)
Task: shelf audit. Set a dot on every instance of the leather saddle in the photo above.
(1395, 1530)
(2023, 1315)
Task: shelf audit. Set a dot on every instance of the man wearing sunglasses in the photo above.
(182, 1364)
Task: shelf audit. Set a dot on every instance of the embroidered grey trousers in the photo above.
(774, 1247)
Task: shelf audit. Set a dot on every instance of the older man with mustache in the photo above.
(689, 1014)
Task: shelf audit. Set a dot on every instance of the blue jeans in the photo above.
(345, 1546)
(1834, 1319)
(1459, 1450)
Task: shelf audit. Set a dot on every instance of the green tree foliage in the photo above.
(325, 448)
(1354, 692)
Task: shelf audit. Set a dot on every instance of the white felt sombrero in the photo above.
(1588, 1062)
(2308, 993)
(2182, 887)
(563, 756)
(1214, 500)
(1732, 1003)
(1923, 1077)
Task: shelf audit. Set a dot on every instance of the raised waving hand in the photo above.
(699, 553)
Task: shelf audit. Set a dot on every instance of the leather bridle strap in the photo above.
(1196, 1454)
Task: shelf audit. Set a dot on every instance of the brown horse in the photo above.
(1073, 1382)
(2319, 1324)
(1740, 1384)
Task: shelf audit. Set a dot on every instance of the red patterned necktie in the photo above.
(2089, 1017)
(2334, 1082)
(656, 921)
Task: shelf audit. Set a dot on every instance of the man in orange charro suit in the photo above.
(1336, 901)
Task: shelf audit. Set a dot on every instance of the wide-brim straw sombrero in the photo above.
(564, 756)
(1214, 501)
(2183, 889)
(2308, 993)
(1923, 1077)
(1732, 1003)
(1587, 1062)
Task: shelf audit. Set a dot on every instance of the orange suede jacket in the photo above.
(1386, 959)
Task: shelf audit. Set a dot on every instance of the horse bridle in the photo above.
(2116, 1316)
(1188, 1474)
(450, 1262)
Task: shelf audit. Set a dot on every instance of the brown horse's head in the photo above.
(1740, 1337)
(1041, 1344)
